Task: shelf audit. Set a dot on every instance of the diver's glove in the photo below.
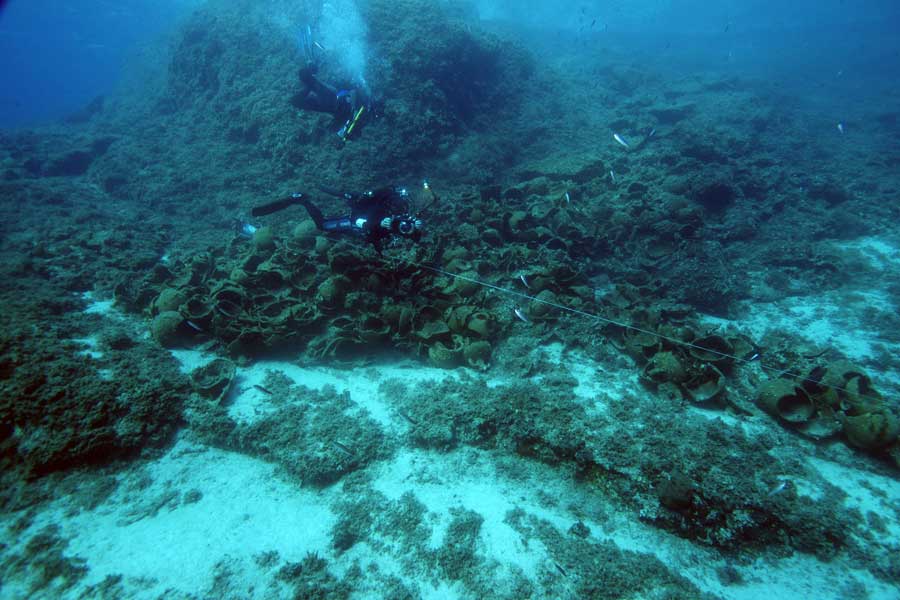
(386, 223)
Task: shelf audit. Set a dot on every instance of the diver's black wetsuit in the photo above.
(342, 104)
(368, 214)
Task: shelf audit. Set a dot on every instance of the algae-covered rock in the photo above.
(60, 409)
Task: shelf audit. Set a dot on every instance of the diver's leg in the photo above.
(314, 94)
(321, 89)
(314, 213)
(337, 224)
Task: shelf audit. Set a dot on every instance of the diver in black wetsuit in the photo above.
(377, 216)
(351, 108)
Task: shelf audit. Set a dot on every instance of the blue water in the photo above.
(55, 57)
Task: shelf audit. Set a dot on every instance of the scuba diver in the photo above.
(351, 108)
(378, 216)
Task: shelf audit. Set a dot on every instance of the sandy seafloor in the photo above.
(200, 520)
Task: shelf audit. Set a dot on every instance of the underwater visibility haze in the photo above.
(450, 299)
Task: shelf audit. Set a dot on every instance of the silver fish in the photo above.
(567, 198)
(778, 488)
(612, 176)
(524, 282)
(621, 140)
(521, 315)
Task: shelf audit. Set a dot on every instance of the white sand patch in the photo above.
(599, 385)
(470, 479)
(248, 403)
(882, 255)
(831, 319)
(151, 534)
(188, 360)
(824, 320)
(466, 479)
(870, 493)
(91, 347)
(98, 307)
(842, 319)
(751, 425)
(801, 576)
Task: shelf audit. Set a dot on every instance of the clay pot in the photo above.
(446, 357)
(170, 299)
(477, 354)
(786, 401)
(214, 379)
(705, 385)
(665, 367)
(167, 328)
(872, 431)
(712, 349)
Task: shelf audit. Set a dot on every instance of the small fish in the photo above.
(778, 488)
(320, 47)
(594, 22)
(193, 325)
(524, 282)
(568, 199)
(621, 140)
(754, 357)
(560, 569)
(652, 133)
(840, 127)
(343, 448)
(520, 315)
(262, 389)
(612, 176)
